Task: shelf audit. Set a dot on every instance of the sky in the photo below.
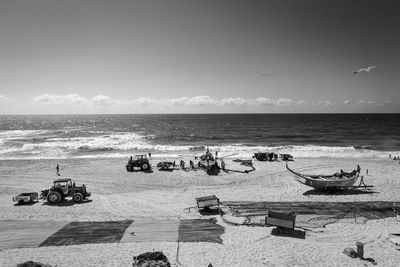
(204, 56)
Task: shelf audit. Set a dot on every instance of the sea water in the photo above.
(174, 135)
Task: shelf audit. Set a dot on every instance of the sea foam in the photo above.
(47, 144)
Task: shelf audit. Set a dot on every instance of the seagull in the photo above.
(267, 74)
(368, 69)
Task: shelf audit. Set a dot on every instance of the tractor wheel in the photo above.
(129, 168)
(78, 197)
(145, 166)
(53, 197)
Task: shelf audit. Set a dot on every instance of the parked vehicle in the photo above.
(63, 188)
(264, 156)
(286, 157)
(140, 161)
(26, 198)
(166, 166)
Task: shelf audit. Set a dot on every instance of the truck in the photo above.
(26, 198)
(64, 188)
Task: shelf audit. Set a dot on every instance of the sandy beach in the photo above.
(161, 196)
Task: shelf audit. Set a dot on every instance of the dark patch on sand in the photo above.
(76, 233)
(199, 230)
(317, 214)
(369, 209)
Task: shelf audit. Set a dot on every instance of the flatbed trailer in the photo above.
(26, 198)
(207, 202)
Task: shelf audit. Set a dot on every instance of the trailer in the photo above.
(207, 202)
(286, 157)
(166, 166)
(26, 198)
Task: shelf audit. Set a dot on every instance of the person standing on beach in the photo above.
(191, 164)
(58, 170)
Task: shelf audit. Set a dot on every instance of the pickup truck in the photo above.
(26, 198)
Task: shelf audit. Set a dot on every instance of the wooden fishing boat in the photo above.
(341, 180)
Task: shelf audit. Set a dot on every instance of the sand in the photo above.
(161, 196)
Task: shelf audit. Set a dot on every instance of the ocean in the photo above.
(177, 135)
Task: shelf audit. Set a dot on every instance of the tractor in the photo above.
(264, 156)
(63, 188)
(140, 161)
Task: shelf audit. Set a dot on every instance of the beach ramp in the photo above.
(26, 234)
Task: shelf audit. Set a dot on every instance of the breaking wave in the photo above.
(50, 144)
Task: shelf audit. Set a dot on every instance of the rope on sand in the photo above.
(245, 171)
(177, 255)
(234, 223)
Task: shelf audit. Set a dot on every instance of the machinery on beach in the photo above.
(64, 188)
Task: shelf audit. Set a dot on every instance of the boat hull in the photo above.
(324, 182)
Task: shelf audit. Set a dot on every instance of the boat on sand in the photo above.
(342, 180)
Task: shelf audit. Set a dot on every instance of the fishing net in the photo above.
(314, 214)
(151, 259)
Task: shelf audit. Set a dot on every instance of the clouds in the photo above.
(59, 99)
(285, 102)
(4, 100)
(202, 102)
(361, 103)
(321, 103)
(102, 100)
(199, 101)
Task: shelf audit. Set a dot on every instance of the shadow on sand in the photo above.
(67, 203)
(145, 171)
(166, 170)
(371, 260)
(288, 233)
(339, 192)
(208, 212)
(30, 203)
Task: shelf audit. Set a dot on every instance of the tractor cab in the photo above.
(141, 157)
(63, 184)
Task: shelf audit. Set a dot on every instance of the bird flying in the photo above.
(267, 74)
(368, 69)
